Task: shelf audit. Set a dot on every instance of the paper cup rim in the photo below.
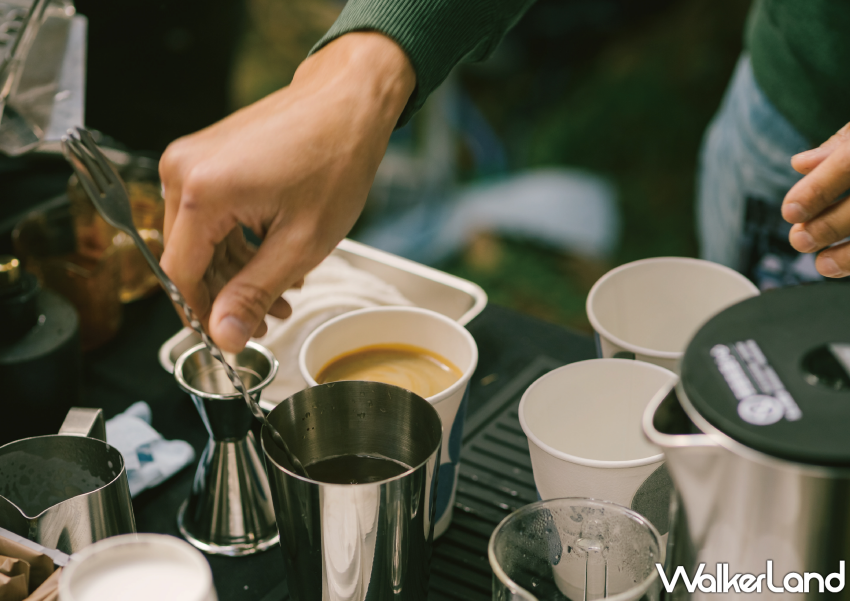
(597, 463)
(461, 383)
(143, 538)
(634, 348)
(641, 587)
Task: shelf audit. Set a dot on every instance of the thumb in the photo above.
(245, 300)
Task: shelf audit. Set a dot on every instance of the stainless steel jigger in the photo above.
(229, 511)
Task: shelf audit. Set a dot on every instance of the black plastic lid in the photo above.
(773, 372)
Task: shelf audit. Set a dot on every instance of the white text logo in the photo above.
(722, 582)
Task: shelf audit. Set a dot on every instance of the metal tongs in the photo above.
(106, 190)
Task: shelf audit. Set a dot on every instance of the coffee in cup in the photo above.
(407, 366)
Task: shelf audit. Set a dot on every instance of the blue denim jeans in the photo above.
(744, 173)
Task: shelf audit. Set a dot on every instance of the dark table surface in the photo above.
(514, 350)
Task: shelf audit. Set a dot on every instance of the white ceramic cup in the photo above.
(583, 423)
(653, 307)
(417, 327)
(138, 567)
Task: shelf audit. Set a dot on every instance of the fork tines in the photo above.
(93, 178)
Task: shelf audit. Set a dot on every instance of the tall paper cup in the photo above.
(652, 308)
(583, 423)
(418, 327)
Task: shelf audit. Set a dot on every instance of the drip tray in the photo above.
(495, 480)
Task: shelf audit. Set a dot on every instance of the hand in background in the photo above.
(818, 204)
(295, 168)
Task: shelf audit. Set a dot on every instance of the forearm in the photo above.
(435, 34)
(367, 66)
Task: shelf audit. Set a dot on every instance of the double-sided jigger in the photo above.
(229, 511)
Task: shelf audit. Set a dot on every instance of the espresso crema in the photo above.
(415, 369)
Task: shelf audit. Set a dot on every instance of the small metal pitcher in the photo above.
(66, 491)
(356, 542)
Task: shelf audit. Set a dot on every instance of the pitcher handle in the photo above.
(85, 422)
(666, 424)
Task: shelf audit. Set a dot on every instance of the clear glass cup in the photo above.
(575, 549)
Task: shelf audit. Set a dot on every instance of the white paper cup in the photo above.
(583, 423)
(653, 307)
(418, 327)
(138, 567)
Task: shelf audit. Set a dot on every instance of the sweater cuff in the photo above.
(435, 34)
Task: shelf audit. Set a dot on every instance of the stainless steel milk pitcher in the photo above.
(66, 491)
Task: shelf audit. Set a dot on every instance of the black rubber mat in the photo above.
(495, 479)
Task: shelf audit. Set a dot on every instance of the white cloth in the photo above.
(331, 289)
(148, 458)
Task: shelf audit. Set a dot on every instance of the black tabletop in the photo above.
(513, 350)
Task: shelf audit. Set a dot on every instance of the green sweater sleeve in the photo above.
(435, 34)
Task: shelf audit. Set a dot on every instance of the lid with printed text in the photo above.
(773, 373)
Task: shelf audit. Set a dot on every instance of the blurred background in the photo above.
(571, 150)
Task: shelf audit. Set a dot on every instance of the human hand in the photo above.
(294, 167)
(817, 204)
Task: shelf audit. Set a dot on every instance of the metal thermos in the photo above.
(40, 357)
(757, 444)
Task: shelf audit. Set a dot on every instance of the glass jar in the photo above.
(141, 178)
(72, 254)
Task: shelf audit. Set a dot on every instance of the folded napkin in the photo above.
(148, 457)
(331, 289)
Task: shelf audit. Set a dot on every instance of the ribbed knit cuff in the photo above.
(435, 34)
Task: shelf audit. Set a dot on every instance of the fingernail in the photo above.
(234, 332)
(807, 154)
(794, 213)
(829, 268)
(803, 241)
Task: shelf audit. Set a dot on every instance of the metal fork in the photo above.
(106, 190)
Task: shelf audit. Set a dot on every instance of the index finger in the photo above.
(825, 185)
(188, 253)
